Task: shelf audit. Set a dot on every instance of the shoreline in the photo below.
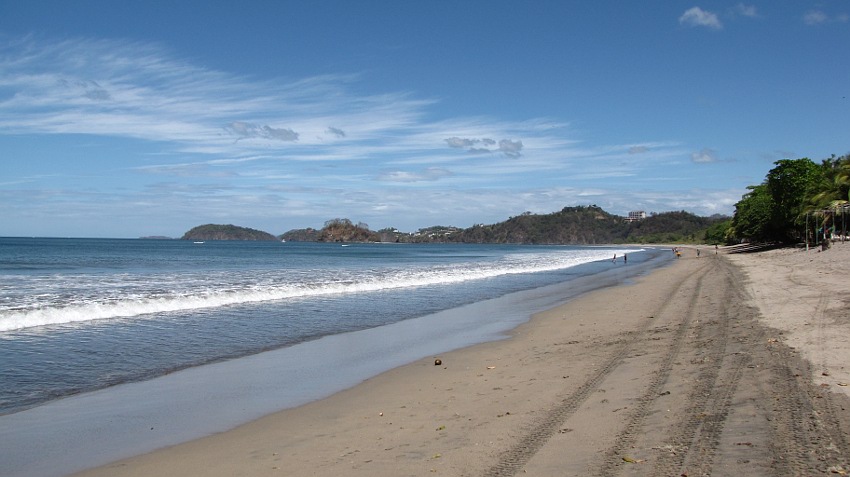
(421, 377)
(612, 378)
(98, 427)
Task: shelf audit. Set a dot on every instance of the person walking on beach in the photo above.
(625, 258)
(614, 259)
(697, 253)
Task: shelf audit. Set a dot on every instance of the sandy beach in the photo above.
(805, 295)
(720, 365)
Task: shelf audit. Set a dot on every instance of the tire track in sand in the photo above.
(807, 436)
(512, 460)
(694, 437)
(805, 412)
(613, 459)
(801, 428)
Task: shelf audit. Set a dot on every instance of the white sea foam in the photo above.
(81, 299)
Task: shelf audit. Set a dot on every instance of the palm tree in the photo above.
(832, 193)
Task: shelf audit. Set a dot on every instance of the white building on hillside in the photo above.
(636, 215)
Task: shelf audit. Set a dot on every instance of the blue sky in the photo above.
(127, 119)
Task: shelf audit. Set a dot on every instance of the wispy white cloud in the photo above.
(470, 143)
(507, 147)
(704, 156)
(126, 89)
(819, 17)
(815, 17)
(245, 130)
(265, 152)
(199, 170)
(428, 175)
(745, 10)
(697, 17)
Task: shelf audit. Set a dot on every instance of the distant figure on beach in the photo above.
(625, 258)
(697, 253)
(614, 259)
(715, 249)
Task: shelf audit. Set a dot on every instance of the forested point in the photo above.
(798, 201)
(226, 232)
(582, 225)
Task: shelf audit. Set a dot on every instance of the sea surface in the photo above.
(87, 323)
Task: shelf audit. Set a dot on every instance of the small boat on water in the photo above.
(199, 242)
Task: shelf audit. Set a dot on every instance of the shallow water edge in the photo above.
(95, 428)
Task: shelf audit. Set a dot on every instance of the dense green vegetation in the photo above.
(590, 225)
(226, 232)
(718, 232)
(343, 230)
(302, 235)
(796, 199)
(578, 225)
(571, 225)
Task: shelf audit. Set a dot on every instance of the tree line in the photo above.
(799, 200)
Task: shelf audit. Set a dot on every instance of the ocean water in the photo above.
(83, 314)
(86, 324)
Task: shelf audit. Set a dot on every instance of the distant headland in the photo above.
(572, 225)
(226, 232)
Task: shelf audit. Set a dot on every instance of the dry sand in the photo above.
(672, 375)
(806, 295)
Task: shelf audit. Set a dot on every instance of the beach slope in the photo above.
(675, 374)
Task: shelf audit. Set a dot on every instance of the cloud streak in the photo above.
(819, 17)
(339, 133)
(142, 91)
(125, 89)
(705, 156)
(745, 10)
(697, 17)
(225, 147)
(427, 175)
(486, 145)
(247, 130)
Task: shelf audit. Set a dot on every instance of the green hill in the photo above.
(336, 230)
(583, 225)
(226, 232)
(572, 225)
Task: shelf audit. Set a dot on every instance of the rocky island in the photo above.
(226, 232)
